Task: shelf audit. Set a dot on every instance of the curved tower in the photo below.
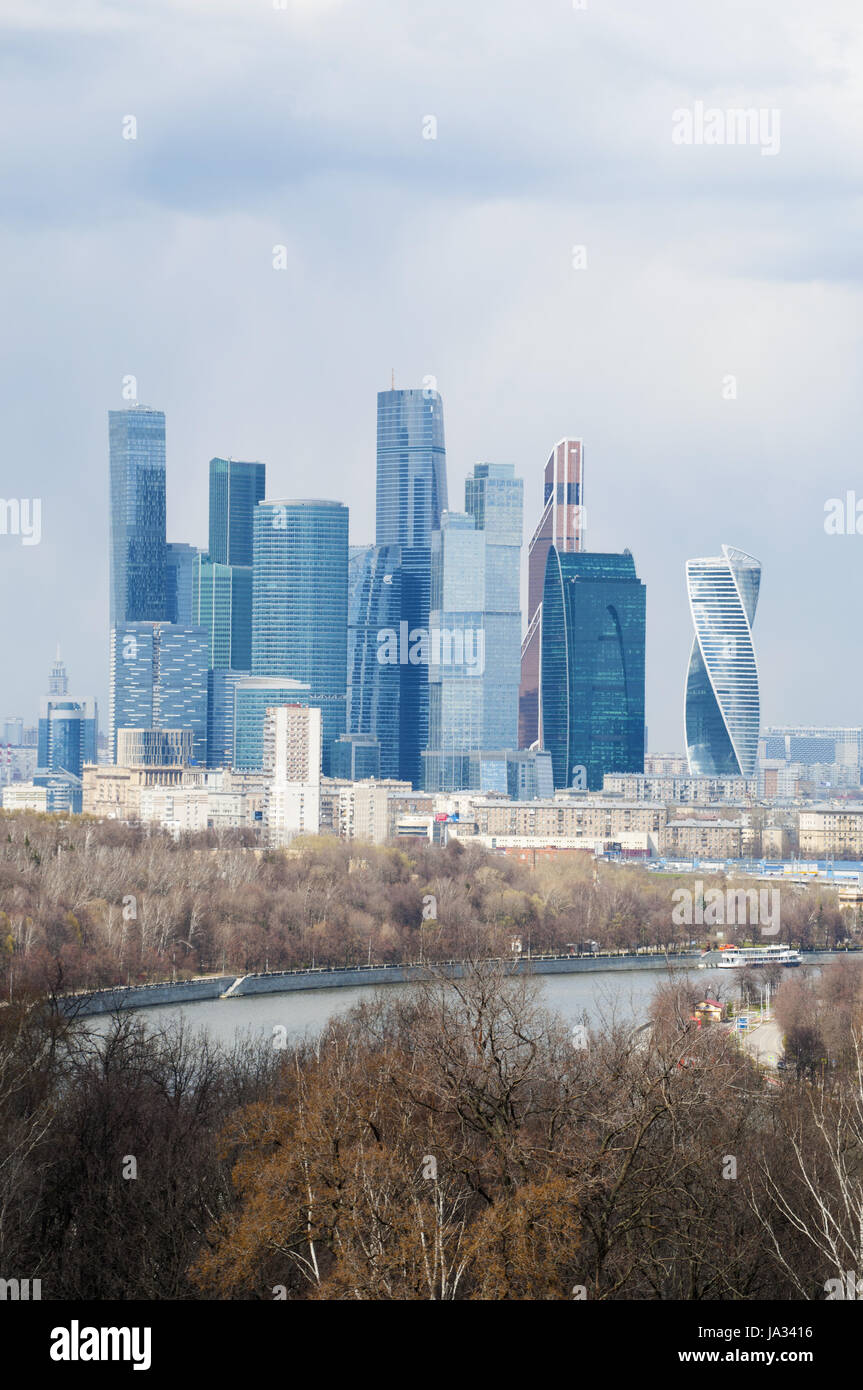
(722, 709)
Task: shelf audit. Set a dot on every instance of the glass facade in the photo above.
(159, 680)
(475, 626)
(222, 603)
(722, 705)
(236, 488)
(592, 686)
(411, 498)
(67, 735)
(138, 560)
(300, 603)
(253, 696)
(181, 565)
(356, 757)
(561, 525)
(374, 686)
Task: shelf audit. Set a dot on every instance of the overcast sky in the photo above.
(449, 258)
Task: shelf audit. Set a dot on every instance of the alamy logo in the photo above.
(847, 1287)
(21, 517)
(734, 907)
(843, 516)
(76, 1343)
(733, 126)
(20, 1289)
(438, 646)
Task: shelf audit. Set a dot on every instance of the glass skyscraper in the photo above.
(722, 706)
(411, 498)
(475, 628)
(138, 549)
(222, 603)
(68, 730)
(592, 685)
(181, 566)
(300, 603)
(236, 488)
(374, 687)
(253, 696)
(159, 680)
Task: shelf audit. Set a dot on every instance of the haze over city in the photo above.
(450, 257)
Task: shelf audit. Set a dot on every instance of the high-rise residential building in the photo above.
(138, 546)
(374, 686)
(561, 525)
(253, 696)
(300, 603)
(474, 628)
(593, 646)
(722, 707)
(158, 680)
(181, 562)
(411, 498)
(13, 730)
(292, 765)
(236, 488)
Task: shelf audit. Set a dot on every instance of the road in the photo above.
(764, 1043)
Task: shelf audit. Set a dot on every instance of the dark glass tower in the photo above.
(374, 607)
(593, 643)
(236, 488)
(300, 603)
(411, 496)
(138, 550)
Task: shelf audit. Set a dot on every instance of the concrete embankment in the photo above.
(277, 982)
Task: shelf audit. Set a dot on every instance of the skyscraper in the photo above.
(722, 708)
(374, 607)
(300, 603)
(58, 681)
(411, 498)
(181, 562)
(236, 488)
(138, 548)
(222, 603)
(593, 643)
(292, 763)
(474, 628)
(159, 681)
(561, 525)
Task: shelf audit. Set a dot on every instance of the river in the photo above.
(600, 995)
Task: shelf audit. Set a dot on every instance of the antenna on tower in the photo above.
(393, 379)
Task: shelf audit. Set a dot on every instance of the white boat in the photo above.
(739, 957)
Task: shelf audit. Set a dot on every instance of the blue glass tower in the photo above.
(68, 730)
(159, 680)
(138, 549)
(300, 603)
(592, 670)
(722, 705)
(374, 687)
(411, 498)
(236, 488)
(181, 566)
(475, 630)
(253, 696)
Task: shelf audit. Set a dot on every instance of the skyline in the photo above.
(153, 257)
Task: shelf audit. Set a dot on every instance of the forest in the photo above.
(87, 903)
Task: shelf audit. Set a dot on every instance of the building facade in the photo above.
(722, 705)
(292, 769)
(593, 654)
(374, 686)
(138, 555)
(562, 525)
(300, 603)
(158, 680)
(411, 498)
